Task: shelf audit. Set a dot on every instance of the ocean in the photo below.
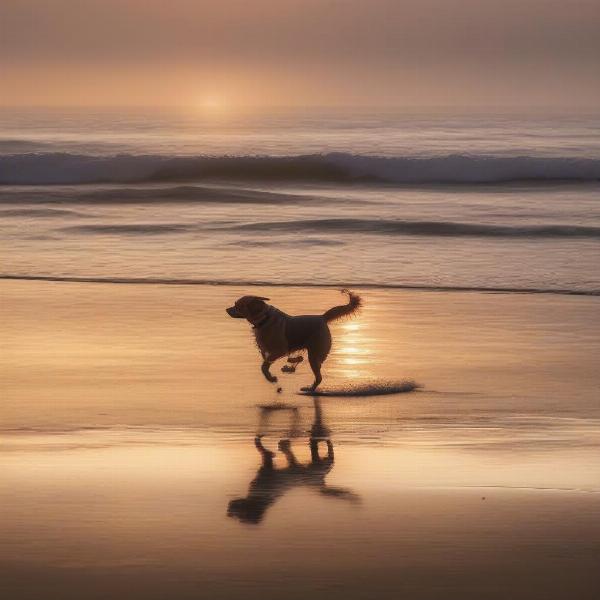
(367, 198)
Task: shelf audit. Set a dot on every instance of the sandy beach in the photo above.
(130, 466)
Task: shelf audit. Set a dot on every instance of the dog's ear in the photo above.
(256, 305)
(262, 298)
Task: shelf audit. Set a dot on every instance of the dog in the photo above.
(278, 334)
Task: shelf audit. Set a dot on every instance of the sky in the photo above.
(522, 53)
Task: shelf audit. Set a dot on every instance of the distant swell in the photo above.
(146, 194)
(65, 168)
(295, 284)
(388, 227)
(422, 228)
(133, 229)
(40, 213)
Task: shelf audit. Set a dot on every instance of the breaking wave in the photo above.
(66, 168)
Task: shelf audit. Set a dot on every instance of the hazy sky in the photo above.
(290, 52)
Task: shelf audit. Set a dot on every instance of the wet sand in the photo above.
(131, 466)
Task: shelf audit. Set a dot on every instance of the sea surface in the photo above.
(371, 197)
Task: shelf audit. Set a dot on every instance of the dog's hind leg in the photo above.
(317, 353)
(265, 371)
(318, 350)
(315, 365)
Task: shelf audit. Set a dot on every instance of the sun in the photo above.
(213, 103)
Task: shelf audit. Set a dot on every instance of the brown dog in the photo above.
(278, 334)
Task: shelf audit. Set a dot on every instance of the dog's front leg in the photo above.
(265, 371)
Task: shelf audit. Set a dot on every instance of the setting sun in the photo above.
(213, 103)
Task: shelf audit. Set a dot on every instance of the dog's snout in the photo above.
(232, 311)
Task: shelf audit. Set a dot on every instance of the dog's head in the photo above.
(252, 308)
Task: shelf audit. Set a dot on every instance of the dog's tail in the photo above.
(337, 312)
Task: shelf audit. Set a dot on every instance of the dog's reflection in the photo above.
(271, 483)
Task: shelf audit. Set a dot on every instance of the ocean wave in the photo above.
(66, 168)
(129, 228)
(172, 194)
(421, 228)
(286, 243)
(296, 284)
(387, 227)
(13, 146)
(40, 213)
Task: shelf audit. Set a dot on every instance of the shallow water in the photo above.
(511, 238)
